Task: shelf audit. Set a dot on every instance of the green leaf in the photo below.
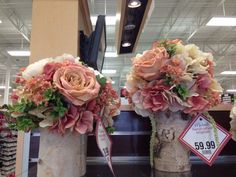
(58, 111)
(24, 123)
(181, 91)
(168, 80)
(110, 129)
(22, 106)
(170, 48)
(48, 94)
(101, 80)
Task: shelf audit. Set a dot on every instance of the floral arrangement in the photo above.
(61, 94)
(172, 76)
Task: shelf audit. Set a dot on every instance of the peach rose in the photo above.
(148, 65)
(77, 83)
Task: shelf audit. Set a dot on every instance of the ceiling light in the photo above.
(126, 44)
(19, 53)
(134, 4)
(129, 27)
(228, 73)
(3, 87)
(108, 71)
(222, 21)
(113, 82)
(110, 20)
(231, 90)
(0, 21)
(111, 54)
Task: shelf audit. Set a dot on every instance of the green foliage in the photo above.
(101, 80)
(168, 80)
(170, 48)
(181, 91)
(22, 106)
(55, 98)
(110, 129)
(48, 94)
(24, 123)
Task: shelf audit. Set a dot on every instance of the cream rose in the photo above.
(77, 83)
(193, 51)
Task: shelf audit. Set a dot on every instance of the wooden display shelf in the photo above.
(220, 107)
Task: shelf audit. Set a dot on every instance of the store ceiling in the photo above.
(170, 18)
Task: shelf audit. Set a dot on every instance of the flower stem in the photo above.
(152, 140)
(213, 123)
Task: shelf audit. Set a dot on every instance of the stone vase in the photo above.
(169, 154)
(62, 156)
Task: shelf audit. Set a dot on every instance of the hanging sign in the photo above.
(104, 143)
(203, 140)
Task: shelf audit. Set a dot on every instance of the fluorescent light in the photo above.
(111, 54)
(222, 21)
(231, 90)
(228, 73)
(108, 71)
(110, 20)
(19, 53)
(3, 87)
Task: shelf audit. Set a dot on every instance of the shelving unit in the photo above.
(8, 142)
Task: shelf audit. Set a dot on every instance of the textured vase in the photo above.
(62, 156)
(170, 155)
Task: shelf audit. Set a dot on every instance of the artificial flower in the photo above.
(172, 76)
(147, 66)
(198, 104)
(77, 83)
(61, 94)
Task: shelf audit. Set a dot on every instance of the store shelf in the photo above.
(220, 107)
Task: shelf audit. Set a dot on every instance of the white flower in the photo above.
(196, 67)
(35, 69)
(215, 86)
(180, 49)
(138, 106)
(193, 51)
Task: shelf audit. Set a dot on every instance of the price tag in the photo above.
(104, 143)
(200, 138)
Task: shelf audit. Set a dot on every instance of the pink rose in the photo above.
(154, 97)
(203, 83)
(148, 65)
(198, 104)
(77, 83)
